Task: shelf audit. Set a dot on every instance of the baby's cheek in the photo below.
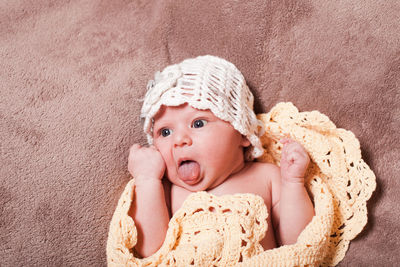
(170, 169)
(163, 149)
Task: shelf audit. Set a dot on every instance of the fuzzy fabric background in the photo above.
(72, 74)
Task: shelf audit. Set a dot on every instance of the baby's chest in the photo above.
(231, 187)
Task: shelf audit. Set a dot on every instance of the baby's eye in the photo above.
(165, 132)
(199, 123)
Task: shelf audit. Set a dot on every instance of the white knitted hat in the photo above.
(205, 82)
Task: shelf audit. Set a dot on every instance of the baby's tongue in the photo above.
(189, 171)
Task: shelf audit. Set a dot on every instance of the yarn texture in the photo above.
(225, 231)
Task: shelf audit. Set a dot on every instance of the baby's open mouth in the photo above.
(185, 162)
(189, 171)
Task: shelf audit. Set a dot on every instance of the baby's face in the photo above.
(199, 149)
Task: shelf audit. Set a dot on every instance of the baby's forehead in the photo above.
(170, 112)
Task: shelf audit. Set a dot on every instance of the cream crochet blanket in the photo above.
(225, 231)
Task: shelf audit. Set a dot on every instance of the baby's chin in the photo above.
(192, 188)
(202, 185)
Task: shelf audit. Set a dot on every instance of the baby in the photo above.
(203, 136)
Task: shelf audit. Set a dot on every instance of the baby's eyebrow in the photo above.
(204, 112)
(159, 124)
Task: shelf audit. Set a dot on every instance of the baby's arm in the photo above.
(294, 209)
(149, 210)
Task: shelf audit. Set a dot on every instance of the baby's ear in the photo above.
(245, 142)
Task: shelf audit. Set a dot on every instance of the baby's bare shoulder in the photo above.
(264, 174)
(267, 170)
(271, 174)
(264, 177)
(268, 173)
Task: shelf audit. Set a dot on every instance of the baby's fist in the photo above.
(294, 161)
(145, 163)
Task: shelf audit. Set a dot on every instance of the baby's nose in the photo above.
(182, 138)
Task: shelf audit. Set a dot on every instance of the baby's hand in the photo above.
(294, 161)
(145, 163)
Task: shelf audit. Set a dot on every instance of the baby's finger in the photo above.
(153, 147)
(136, 145)
(295, 147)
(285, 140)
(295, 155)
(291, 147)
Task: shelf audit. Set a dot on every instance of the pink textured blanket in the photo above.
(72, 74)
